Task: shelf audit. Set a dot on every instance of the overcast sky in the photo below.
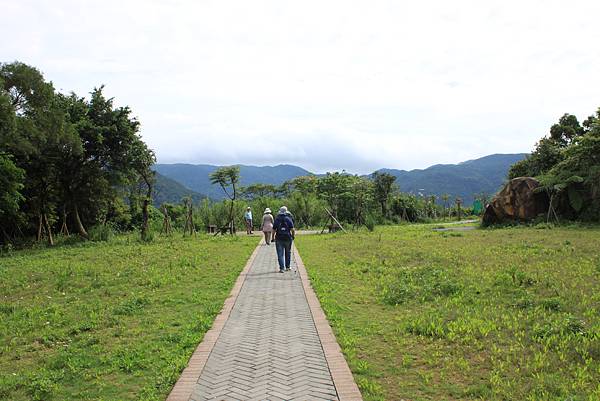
(327, 84)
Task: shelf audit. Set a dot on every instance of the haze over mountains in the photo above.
(464, 180)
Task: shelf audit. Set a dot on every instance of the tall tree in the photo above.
(566, 130)
(383, 187)
(334, 188)
(40, 135)
(228, 178)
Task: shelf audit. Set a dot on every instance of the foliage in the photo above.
(568, 167)
(383, 184)
(546, 154)
(228, 178)
(503, 314)
(110, 321)
(79, 158)
(11, 184)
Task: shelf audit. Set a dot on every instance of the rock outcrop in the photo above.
(517, 201)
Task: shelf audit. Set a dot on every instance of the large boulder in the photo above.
(517, 201)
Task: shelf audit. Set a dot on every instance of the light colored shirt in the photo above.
(248, 215)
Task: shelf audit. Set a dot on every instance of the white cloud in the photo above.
(327, 85)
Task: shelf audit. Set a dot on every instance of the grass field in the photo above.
(110, 321)
(503, 314)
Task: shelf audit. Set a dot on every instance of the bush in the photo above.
(421, 284)
(102, 232)
(370, 222)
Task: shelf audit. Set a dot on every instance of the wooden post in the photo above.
(166, 228)
(189, 217)
(334, 219)
(458, 209)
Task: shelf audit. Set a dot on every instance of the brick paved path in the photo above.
(269, 348)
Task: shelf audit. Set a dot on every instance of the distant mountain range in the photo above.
(167, 190)
(462, 180)
(195, 176)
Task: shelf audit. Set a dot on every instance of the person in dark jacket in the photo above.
(284, 236)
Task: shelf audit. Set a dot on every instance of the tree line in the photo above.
(353, 200)
(66, 162)
(567, 164)
(75, 165)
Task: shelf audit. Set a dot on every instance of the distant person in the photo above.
(248, 219)
(284, 235)
(267, 225)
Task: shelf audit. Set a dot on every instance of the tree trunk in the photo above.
(40, 227)
(79, 224)
(64, 229)
(48, 230)
(145, 211)
(231, 219)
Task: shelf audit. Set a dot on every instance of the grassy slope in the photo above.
(110, 321)
(485, 314)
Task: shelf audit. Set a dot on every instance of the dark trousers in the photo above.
(284, 252)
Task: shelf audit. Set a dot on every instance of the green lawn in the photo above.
(504, 314)
(110, 321)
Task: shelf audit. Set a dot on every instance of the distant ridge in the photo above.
(167, 190)
(463, 180)
(486, 174)
(196, 176)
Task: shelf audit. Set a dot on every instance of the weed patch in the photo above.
(110, 319)
(498, 314)
(422, 284)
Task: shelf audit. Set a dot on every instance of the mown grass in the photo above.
(110, 321)
(503, 314)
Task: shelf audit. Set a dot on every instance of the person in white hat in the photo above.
(267, 225)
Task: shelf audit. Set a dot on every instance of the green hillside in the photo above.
(195, 176)
(465, 179)
(486, 174)
(171, 191)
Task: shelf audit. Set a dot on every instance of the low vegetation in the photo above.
(112, 320)
(503, 314)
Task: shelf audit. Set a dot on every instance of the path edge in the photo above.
(343, 380)
(183, 388)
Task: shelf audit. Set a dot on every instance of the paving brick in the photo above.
(269, 347)
(271, 342)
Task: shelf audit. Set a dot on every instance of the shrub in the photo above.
(370, 222)
(420, 284)
(102, 232)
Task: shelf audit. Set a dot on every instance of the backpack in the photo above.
(283, 228)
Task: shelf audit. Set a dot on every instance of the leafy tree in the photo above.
(566, 130)
(254, 191)
(361, 191)
(445, 198)
(567, 163)
(577, 177)
(228, 177)
(334, 188)
(40, 135)
(77, 156)
(141, 161)
(383, 187)
(547, 153)
(305, 184)
(11, 184)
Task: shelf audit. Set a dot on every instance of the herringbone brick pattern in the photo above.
(269, 348)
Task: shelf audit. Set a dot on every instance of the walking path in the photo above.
(270, 342)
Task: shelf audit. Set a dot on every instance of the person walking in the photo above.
(248, 219)
(267, 225)
(284, 235)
